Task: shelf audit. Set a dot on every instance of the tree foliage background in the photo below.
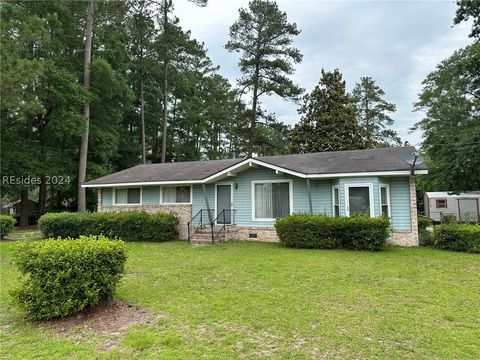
(137, 46)
(450, 100)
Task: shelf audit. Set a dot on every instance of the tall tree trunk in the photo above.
(82, 167)
(42, 196)
(24, 207)
(165, 112)
(367, 123)
(142, 119)
(253, 122)
(165, 85)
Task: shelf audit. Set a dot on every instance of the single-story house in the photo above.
(464, 206)
(15, 207)
(243, 197)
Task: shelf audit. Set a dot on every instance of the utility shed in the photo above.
(464, 206)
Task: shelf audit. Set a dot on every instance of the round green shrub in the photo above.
(425, 237)
(61, 277)
(458, 237)
(124, 225)
(328, 232)
(6, 225)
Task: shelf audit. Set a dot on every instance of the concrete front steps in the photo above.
(203, 236)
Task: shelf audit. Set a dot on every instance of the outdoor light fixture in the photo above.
(236, 186)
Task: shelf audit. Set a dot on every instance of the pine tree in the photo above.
(373, 114)
(328, 120)
(82, 167)
(264, 37)
(141, 34)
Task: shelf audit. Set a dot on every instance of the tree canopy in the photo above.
(450, 99)
(374, 114)
(263, 36)
(328, 121)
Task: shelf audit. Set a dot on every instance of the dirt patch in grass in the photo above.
(108, 318)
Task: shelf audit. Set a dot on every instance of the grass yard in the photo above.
(254, 300)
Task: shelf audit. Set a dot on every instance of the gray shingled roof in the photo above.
(351, 161)
(354, 161)
(188, 170)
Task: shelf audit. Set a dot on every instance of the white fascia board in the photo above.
(372, 173)
(249, 162)
(145, 183)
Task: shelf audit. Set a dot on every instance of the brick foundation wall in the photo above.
(408, 237)
(265, 234)
(183, 211)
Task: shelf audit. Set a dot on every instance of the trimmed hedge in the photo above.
(458, 237)
(328, 232)
(124, 225)
(61, 277)
(6, 225)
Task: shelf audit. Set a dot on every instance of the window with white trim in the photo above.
(385, 200)
(176, 194)
(271, 199)
(336, 200)
(359, 199)
(127, 196)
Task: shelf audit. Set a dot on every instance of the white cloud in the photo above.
(396, 42)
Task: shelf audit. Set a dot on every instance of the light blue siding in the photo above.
(107, 197)
(151, 195)
(321, 192)
(198, 198)
(400, 203)
(242, 195)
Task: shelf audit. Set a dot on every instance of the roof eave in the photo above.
(249, 162)
(141, 183)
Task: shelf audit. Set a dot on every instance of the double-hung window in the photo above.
(385, 200)
(176, 195)
(127, 196)
(336, 200)
(271, 199)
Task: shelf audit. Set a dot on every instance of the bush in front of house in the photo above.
(458, 237)
(328, 232)
(61, 277)
(124, 225)
(424, 222)
(426, 237)
(6, 225)
(425, 231)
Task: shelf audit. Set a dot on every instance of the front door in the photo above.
(224, 202)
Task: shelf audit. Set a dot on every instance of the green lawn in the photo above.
(254, 300)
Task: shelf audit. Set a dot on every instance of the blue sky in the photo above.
(397, 43)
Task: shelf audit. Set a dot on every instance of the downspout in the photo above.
(309, 196)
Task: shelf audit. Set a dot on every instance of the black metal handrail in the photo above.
(222, 216)
(202, 218)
